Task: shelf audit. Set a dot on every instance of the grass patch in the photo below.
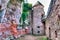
(43, 38)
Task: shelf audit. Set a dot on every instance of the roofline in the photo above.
(38, 4)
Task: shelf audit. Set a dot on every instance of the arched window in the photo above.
(55, 34)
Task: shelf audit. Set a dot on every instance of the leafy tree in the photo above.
(26, 8)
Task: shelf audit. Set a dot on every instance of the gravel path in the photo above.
(29, 37)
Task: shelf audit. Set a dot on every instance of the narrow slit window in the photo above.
(55, 34)
(38, 26)
(38, 32)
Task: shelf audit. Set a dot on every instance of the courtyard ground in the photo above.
(31, 37)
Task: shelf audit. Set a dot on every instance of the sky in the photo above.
(44, 2)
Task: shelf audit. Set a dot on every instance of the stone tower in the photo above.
(38, 12)
(53, 20)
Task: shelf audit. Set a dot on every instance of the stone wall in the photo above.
(52, 21)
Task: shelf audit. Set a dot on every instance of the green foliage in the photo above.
(26, 8)
(43, 38)
(24, 16)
